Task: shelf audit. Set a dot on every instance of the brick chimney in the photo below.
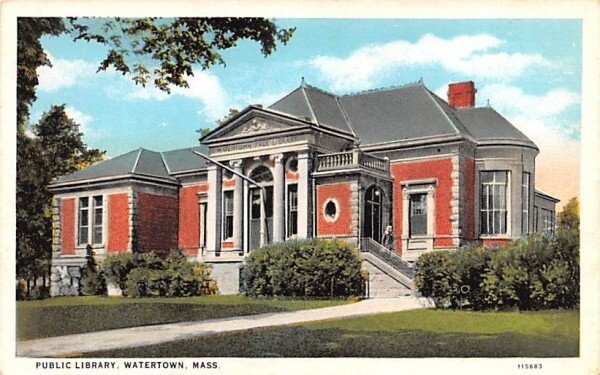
(462, 94)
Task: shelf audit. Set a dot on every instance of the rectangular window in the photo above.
(525, 203)
(292, 210)
(97, 220)
(547, 222)
(418, 214)
(493, 207)
(227, 215)
(83, 223)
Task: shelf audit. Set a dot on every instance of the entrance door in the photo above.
(255, 208)
(261, 217)
(418, 215)
(372, 221)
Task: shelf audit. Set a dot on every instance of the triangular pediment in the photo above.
(249, 126)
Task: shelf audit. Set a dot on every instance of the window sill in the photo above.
(495, 237)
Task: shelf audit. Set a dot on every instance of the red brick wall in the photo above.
(291, 175)
(469, 173)
(495, 241)
(227, 245)
(343, 224)
(118, 222)
(189, 218)
(229, 183)
(67, 225)
(158, 219)
(440, 169)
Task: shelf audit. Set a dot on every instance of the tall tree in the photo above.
(30, 56)
(55, 149)
(568, 218)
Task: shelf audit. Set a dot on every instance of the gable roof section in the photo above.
(400, 113)
(327, 109)
(141, 162)
(184, 159)
(487, 125)
(118, 166)
(296, 104)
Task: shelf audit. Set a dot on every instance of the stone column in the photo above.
(213, 209)
(278, 199)
(303, 201)
(245, 220)
(238, 211)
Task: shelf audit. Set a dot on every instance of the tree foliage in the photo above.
(31, 56)
(176, 45)
(568, 218)
(55, 149)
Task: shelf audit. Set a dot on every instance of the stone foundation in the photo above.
(65, 281)
(227, 276)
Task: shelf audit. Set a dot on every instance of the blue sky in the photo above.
(530, 70)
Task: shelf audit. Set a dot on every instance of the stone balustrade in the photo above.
(351, 159)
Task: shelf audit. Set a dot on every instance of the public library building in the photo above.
(438, 174)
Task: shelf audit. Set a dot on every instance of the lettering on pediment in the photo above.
(255, 145)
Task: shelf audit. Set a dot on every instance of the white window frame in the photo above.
(525, 203)
(91, 208)
(226, 214)
(508, 202)
(288, 209)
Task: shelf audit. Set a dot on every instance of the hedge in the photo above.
(147, 275)
(533, 274)
(308, 268)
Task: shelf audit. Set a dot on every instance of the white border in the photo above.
(588, 10)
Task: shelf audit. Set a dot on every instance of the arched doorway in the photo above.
(261, 207)
(373, 213)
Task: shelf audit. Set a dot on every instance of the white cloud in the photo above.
(512, 101)
(463, 54)
(84, 121)
(65, 73)
(203, 86)
(79, 117)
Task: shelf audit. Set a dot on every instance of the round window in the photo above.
(227, 174)
(292, 165)
(331, 211)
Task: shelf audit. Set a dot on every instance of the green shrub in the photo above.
(310, 268)
(534, 274)
(452, 277)
(92, 282)
(147, 275)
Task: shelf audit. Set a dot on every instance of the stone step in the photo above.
(381, 284)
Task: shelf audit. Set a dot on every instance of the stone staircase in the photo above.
(388, 277)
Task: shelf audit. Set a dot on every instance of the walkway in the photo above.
(149, 335)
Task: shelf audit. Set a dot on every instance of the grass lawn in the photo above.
(417, 333)
(68, 315)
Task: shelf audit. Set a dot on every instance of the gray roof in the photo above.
(399, 113)
(487, 124)
(184, 159)
(321, 107)
(142, 162)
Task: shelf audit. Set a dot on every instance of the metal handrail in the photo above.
(369, 245)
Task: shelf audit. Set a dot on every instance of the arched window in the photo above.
(261, 174)
(373, 212)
